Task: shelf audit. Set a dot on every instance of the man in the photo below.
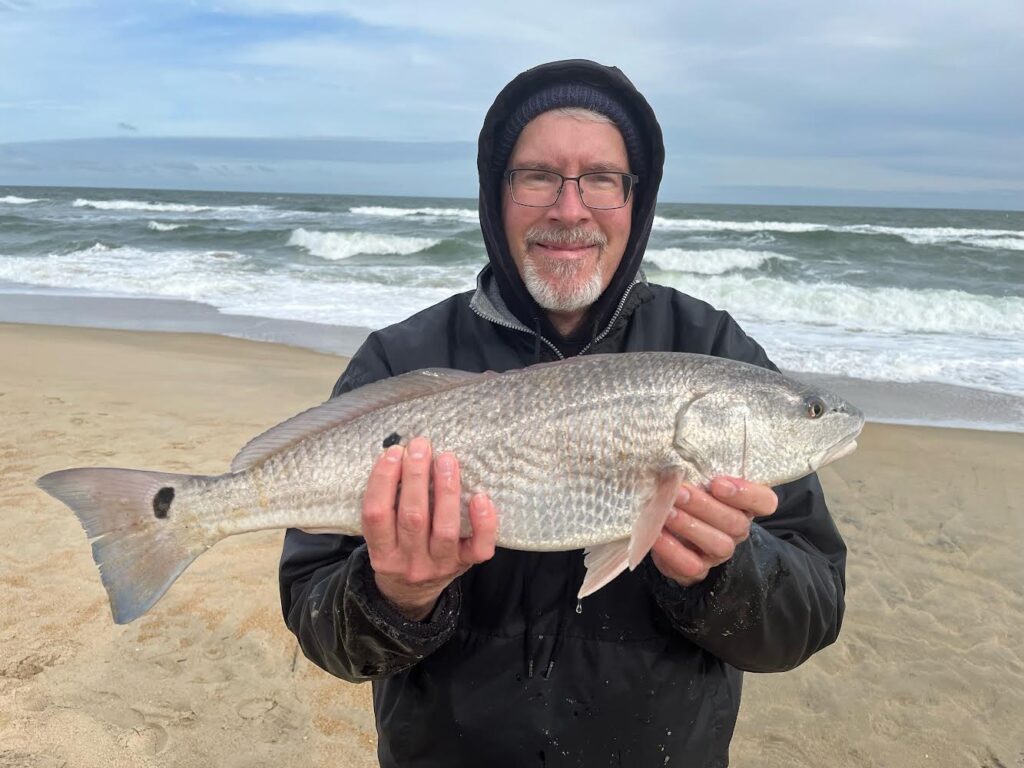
(481, 656)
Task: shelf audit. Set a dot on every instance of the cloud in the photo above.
(886, 92)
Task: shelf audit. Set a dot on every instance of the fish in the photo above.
(586, 453)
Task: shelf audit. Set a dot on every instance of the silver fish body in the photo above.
(585, 453)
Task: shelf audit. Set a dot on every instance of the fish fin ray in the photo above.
(648, 524)
(139, 555)
(344, 408)
(603, 563)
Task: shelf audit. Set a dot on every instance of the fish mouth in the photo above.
(838, 451)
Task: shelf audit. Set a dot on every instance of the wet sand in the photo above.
(929, 670)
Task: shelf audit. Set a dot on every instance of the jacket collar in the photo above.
(487, 302)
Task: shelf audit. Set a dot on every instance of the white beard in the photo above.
(561, 290)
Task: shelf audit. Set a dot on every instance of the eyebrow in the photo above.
(589, 168)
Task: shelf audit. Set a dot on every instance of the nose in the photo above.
(569, 207)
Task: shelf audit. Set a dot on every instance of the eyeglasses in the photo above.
(600, 190)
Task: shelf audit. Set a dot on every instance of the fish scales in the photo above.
(564, 476)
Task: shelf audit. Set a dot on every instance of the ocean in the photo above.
(905, 300)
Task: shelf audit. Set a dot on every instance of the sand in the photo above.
(929, 670)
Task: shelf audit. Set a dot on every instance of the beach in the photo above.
(928, 671)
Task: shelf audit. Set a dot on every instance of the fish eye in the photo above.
(816, 407)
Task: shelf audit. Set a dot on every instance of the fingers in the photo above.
(480, 546)
(446, 523)
(379, 501)
(413, 519)
(701, 505)
(678, 561)
(716, 544)
(756, 500)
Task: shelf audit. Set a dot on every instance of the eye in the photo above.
(816, 407)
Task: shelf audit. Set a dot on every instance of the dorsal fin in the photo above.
(348, 406)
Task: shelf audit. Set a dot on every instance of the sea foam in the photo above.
(15, 200)
(461, 214)
(342, 245)
(1008, 239)
(715, 261)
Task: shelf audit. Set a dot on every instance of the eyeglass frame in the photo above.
(634, 179)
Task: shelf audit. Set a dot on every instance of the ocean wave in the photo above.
(716, 261)
(139, 205)
(159, 226)
(467, 215)
(233, 211)
(15, 200)
(1009, 239)
(342, 245)
(293, 292)
(854, 308)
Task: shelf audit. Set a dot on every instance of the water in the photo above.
(887, 295)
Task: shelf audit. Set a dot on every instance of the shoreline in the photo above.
(929, 404)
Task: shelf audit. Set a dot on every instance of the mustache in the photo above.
(570, 236)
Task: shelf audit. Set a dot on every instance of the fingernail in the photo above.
(683, 497)
(479, 501)
(394, 454)
(417, 448)
(445, 464)
(726, 488)
(672, 513)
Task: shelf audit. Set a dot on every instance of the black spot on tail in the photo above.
(162, 502)
(393, 439)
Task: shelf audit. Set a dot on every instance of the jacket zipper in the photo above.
(595, 340)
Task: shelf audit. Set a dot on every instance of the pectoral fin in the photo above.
(603, 563)
(651, 519)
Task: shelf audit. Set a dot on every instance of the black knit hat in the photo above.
(570, 95)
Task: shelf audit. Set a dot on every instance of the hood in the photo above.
(510, 284)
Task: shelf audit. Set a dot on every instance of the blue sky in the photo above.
(902, 102)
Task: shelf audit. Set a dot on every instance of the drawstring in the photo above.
(565, 609)
(531, 641)
(566, 606)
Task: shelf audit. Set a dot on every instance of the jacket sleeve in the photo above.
(780, 598)
(330, 599)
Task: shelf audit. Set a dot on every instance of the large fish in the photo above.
(586, 453)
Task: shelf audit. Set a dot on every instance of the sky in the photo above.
(879, 102)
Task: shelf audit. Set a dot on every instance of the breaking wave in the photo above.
(159, 226)
(467, 215)
(15, 200)
(1008, 239)
(710, 262)
(342, 245)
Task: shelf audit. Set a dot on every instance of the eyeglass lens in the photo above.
(602, 190)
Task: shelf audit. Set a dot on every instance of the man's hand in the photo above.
(414, 546)
(704, 529)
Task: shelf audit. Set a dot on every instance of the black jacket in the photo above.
(509, 670)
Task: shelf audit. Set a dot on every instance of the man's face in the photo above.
(563, 275)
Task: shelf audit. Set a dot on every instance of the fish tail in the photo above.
(131, 519)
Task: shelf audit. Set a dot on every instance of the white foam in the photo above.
(233, 211)
(139, 205)
(854, 308)
(342, 245)
(1007, 239)
(711, 225)
(158, 226)
(461, 214)
(710, 262)
(15, 200)
(375, 297)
